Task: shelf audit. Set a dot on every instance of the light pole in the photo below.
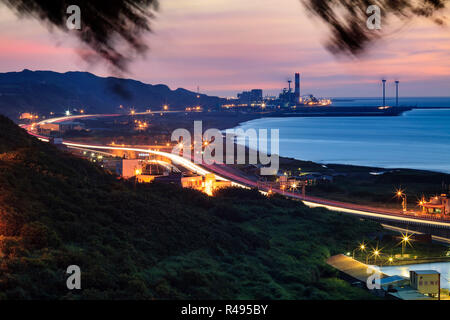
(422, 204)
(405, 240)
(376, 253)
(400, 194)
(361, 247)
(293, 187)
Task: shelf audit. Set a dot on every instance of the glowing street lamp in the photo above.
(421, 203)
(401, 195)
(406, 239)
(293, 187)
(376, 252)
(361, 247)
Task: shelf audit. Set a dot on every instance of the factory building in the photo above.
(250, 97)
(287, 97)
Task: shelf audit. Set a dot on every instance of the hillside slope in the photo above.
(155, 241)
(47, 91)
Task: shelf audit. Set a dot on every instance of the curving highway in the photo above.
(224, 173)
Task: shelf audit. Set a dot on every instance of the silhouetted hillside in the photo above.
(156, 241)
(47, 91)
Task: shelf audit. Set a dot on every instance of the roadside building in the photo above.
(143, 170)
(206, 184)
(28, 116)
(192, 181)
(426, 282)
(47, 128)
(128, 168)
(436, 205)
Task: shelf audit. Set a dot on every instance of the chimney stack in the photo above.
(297, 88)
(396, 92)
(384, 92)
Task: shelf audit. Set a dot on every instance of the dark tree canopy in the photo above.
(346, 19)
(112, 29)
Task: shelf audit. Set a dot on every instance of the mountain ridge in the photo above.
(43, 91)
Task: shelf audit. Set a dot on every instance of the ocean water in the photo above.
(418, 139)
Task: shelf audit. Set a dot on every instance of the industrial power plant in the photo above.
(286, 99)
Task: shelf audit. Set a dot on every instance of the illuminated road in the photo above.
(224, 173)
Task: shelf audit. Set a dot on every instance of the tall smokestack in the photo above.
(297, 88)
(396, 92)
(384, 92)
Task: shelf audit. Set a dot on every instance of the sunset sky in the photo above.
(226, 46)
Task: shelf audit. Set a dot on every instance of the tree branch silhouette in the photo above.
(346, 19)
(112, 29)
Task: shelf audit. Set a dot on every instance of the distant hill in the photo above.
(47, 91)
(156, 241)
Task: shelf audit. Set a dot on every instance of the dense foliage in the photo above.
(155, 241)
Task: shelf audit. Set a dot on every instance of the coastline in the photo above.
(391, 144)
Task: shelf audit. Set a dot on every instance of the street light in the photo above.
(361, 247)
(376, 252)
(293, 187)
(405, 240)
(401, 195)
(421, 203)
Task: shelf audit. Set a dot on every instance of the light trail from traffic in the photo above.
(239, 181)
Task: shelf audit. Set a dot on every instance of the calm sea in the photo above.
(419, 139)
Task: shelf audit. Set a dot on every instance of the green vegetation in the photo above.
(390, 245)
(156, 241)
